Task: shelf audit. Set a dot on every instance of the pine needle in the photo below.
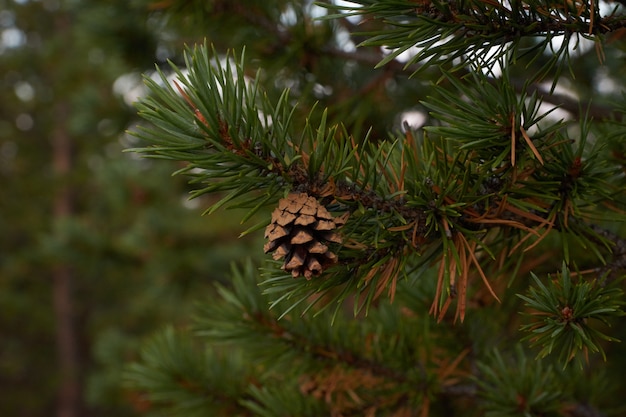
(470, 249)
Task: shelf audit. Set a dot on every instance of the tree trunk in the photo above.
(69, 395)
(62, 276)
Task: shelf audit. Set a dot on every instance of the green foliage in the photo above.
(220, 123)
(503, 135)
(186, 381)
(477, 33)
(408, 200)
(70, 202)
(298, 365)
(395, 360)
(498, 182)
(565, 315)
(519, 387)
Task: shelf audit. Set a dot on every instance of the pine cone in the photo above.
(298, 232)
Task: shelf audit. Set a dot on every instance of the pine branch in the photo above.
(367, 357)
(462, 29)
(301, 366)
(562, 101)
(617, 266)
(370, 57)
(400, 199)
(433, 212)
(186, 381)
(564, 311)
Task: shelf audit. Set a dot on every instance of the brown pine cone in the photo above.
(299, 231)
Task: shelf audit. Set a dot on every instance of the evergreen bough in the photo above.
(430, 219)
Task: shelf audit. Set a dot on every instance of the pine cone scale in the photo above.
(305, 220)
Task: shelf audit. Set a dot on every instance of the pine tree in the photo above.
(402, 254)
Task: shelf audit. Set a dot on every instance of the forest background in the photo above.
(95, 251)
(100, 248)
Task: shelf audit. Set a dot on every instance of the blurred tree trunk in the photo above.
(62, 275)
(62, 285)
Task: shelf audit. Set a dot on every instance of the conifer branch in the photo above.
(381, 360)
(237, 142)
(566, 308)
(461, 29)
(433, 220)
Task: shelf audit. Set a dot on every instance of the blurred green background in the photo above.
(99, 248)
